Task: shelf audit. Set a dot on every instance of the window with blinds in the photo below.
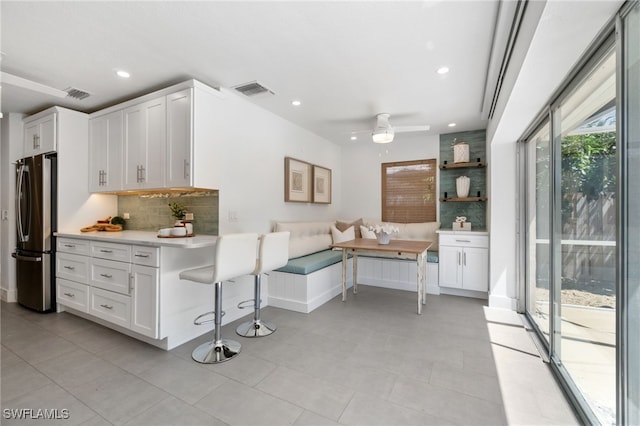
(409, 191)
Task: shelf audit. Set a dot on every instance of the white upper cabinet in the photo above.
(145, 144)
(105, 152)
(166, 139)
(179, 138)
(40, 135)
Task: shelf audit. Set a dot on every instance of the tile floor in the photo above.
(369, 361)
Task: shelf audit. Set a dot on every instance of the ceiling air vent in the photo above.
(76, 93)
(253, 89)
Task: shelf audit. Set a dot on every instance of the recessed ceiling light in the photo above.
(296, 103)
(353, 138)
(122, 74)
(442, 70)
(452, 124)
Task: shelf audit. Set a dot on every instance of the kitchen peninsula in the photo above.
(128, 281)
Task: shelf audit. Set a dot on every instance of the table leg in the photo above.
(420, 282)
(344, 274)
(425, 278)
(355, 272)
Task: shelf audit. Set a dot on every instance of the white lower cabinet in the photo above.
(464, 260)
(110, 306)
(144, 293)
(123, 291)
(72, 294)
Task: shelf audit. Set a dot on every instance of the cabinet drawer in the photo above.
(72, 267)
(464, 240)
(109, 306)
(70, 245)
(110, 275)
(146, 256)
(112, 251)
(73, 295)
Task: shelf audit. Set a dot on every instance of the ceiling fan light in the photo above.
(382, 135)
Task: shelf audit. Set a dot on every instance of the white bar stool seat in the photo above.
(235, 255)
(272, 254)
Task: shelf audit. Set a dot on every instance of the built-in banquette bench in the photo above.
(313, 274)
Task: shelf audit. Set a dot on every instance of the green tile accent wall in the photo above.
(476, 212)
(150, 212)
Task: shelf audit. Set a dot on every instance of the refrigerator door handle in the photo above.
(26, 258)
(18, 204)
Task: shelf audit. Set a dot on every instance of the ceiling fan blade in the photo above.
(405, 129)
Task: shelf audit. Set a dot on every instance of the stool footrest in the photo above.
(197, 322)
(247, 303)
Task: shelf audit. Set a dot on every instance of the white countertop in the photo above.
(453, 231)
(144, 238)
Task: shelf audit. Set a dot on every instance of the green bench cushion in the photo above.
(312, 262)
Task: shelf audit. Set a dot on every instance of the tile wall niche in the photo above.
(150, 212)
(475, 212)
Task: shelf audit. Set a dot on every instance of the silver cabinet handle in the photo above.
(458, 258)
(143, 173)
(106, 251)
(36, 141)
(69, 267)
(106, 275)
(70, 295)
(131, 280)
(141, 255)
(464, 259)
(107, 306)
(69, 245)
(186, 168)
(463, 241)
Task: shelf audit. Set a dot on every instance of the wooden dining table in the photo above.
(363, 245)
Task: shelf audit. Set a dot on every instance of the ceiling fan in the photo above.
(384, 132)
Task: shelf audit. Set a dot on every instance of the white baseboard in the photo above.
(9, 296)
(503, 302)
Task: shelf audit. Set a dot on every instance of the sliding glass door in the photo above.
(584, 236)
(538, 229)
(571, 242)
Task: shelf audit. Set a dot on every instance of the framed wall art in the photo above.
(297, 181)
(321, 185)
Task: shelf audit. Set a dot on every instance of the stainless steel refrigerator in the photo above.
(36, 222)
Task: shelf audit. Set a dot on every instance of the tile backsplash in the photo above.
(150, 212)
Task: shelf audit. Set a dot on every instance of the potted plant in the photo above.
(178, 211)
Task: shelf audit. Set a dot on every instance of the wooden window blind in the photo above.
(409, 191)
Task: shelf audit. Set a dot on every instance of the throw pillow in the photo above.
(367, 233)
(340, 237)
(342, 226)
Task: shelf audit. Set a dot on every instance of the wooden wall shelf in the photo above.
(477, 164)
(466, 199)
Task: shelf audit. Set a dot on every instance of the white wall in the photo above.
(250, 146)
(562, 32)
(361, 160)
(10, 151)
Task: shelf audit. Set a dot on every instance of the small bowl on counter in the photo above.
(179, 231)
(164, 232)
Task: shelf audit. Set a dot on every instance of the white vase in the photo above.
(461, 153)
(462, 186)
(383, 237)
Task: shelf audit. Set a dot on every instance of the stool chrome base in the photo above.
(256, 328)
(210, 353)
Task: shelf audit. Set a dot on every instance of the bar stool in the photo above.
(273, 253)
(235, 255)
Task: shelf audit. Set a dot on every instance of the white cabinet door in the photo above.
(105, 152)
(179, 139)
(145, 145)
(144, 314)
(475, 269)
(40, 136)
(450, 273)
